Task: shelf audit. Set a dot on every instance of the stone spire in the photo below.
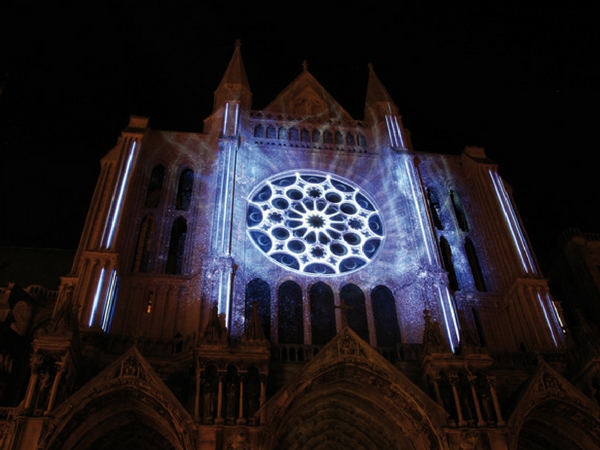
(216, 332)
(234, 85)
(433, 339)
(379, 103)
(254, 333)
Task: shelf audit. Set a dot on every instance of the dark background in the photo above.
(521, 79)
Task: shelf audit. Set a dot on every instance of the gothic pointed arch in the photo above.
(125, 406)
(551, 414)
(349, 396)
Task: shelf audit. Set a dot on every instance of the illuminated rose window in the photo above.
(314, 223)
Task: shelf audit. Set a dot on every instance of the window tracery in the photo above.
(314, 223)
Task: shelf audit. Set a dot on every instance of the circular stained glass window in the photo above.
(314, 223)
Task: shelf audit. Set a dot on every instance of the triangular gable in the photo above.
(546, 385)
(307, 98)
(348, 374)
(129, 372)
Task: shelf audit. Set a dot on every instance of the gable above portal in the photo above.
(306, 97)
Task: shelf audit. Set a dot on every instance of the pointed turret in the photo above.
(231, 97)
(380, 108)
(379, 103)
(234, 85)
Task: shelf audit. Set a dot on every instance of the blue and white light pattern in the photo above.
(314, 223)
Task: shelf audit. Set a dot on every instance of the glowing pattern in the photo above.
(314, 223)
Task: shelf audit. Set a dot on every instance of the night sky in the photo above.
(520, 79)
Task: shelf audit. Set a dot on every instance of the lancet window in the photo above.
(184, 190)
(144, 245)
(322, 313)
(289, 309)
(174, 264)
(353, 304)
(258, 293)
(475, 266)
(448, 263)
(385, 317)
(155, 186)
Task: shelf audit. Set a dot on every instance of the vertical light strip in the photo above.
(96, 297)
(513, 224)
(394, 131)
(109, 302)
(115, 207)
(237, 116)
(550, 312)
(419, 213)
(449, 318)
(225, 119)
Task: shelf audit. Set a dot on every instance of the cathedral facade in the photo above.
(293, 278)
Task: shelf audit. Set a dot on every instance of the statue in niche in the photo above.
(208, 398)
(45, 379)
(231, 391)
(253, 393)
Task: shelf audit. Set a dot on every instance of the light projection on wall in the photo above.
(315, 223)
(513, 224)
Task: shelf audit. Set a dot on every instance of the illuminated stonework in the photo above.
(314, 223)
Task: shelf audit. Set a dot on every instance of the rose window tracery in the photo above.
(314, 223)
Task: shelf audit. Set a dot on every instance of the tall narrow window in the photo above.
(434, 207)
(459, 211)
(176, 247)
(327, 137)
(289, 309)
(479, 327)
(322, 313)
(282, 133)
(184, 190)
(155, 186)
(350, 139)
(385, 317)
(294, 136)
(271, 132)
(353, 304)
(144, 244)
(258, 292)
(474, 264)
(448, 264)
